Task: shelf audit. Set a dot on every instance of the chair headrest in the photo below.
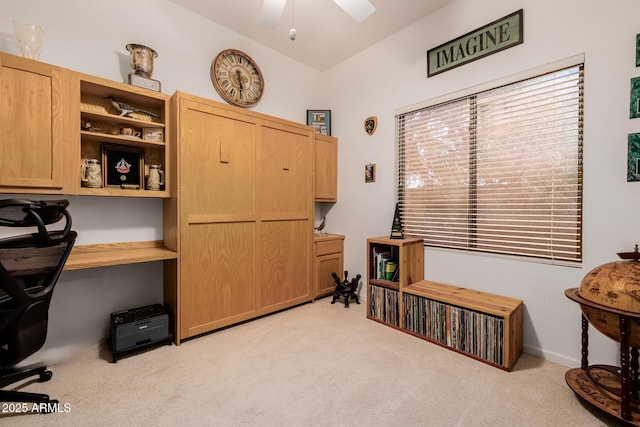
(20, 213)
(40, 213)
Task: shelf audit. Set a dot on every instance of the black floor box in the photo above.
(138, 327)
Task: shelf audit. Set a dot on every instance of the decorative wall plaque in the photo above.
(499, 35)
(370, 124)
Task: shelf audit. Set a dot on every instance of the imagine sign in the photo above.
(499, 35)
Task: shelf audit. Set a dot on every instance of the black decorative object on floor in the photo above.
(346, 289)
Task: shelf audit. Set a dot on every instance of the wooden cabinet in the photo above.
(326, 168)
(480, 325)
(329, 258)
(33, 126)
(99, 130)
(244, 209)
(42, 144)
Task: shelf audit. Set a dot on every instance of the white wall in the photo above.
(392, 75)
(90, 36)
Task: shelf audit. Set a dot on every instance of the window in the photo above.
(498, 170)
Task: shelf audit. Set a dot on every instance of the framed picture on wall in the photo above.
(321, 120)
(633, 158)
(370, 173)
(637, 50)
(122, 166)
(634, 104)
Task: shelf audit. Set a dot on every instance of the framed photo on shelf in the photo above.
(321, 120)
(122, 167)
(370, 173)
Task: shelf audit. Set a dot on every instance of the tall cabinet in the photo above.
(243, 206)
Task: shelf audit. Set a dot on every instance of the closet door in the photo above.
(285, 206)
(217, 191)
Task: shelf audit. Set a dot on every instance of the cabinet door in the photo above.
(285, 206)
(217, 192)
(328, 259)
(285, 263)
(326, 168)
(31, 126)
(325, 265)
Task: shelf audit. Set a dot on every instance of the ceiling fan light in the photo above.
(271, 11)
(357, 9)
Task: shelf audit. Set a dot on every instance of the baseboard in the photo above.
(552, 357)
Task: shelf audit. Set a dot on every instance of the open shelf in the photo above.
(385, 284)
(109, 254)
(102, 140)
(130, 141)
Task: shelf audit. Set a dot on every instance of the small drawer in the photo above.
(329, 247)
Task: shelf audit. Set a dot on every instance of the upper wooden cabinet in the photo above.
(32, 126)
(326, 168)
(53, 119)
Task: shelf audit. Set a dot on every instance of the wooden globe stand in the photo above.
(611, 389)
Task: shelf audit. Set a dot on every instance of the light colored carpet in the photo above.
(314, 365)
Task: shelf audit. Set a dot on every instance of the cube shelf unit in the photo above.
(480, 325)
(384, 304)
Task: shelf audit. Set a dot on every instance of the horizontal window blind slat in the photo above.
(497, 171)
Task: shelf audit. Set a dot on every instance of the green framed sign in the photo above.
(499, 35)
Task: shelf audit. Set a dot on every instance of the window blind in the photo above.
(499, 170)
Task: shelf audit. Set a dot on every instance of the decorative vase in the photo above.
(29, 38)
(141, 59)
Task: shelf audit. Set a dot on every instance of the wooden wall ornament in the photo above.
(370, 125)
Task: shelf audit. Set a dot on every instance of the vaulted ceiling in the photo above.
(325, 34)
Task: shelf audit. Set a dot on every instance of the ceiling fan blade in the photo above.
(358, 9)
(271, 12)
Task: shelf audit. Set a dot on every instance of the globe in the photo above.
(615, 285)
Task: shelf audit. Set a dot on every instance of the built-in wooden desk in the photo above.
(108, 254)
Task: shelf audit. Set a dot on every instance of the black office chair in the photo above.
(30, 265)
